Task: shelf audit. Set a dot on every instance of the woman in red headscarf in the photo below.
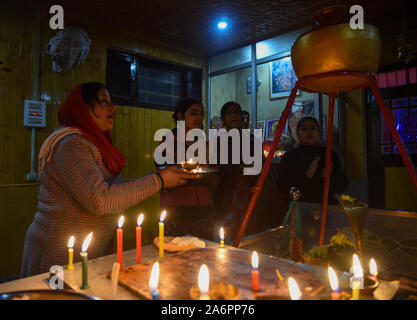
(81, 189)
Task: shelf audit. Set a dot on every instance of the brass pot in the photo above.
(336, 48)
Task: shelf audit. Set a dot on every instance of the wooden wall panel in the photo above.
(133, 132)
(399, 192)
(17, 208)
(354, 144)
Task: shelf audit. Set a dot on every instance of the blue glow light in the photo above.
(222, 25)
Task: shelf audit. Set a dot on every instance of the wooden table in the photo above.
(98, 270)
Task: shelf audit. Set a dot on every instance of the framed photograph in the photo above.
(301, 109)
(260, 124)
(271, 127)
(282, 78)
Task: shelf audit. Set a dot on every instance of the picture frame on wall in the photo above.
(271, 126)
(282, 78)
(299, 110)
(260, 124)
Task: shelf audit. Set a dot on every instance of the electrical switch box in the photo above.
(34, 114)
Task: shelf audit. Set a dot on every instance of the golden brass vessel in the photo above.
(336, 47)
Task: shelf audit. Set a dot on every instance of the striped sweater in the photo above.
(78, 195)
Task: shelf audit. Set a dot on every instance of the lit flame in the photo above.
(357, 268)
(121, 221)
(71, 242)
(163, 214)
(255, 260)
(153, 280)
(295, 292)
(372, 268)
(140, 219)
(199, 170)
(87, 242)
(266, 153)
(221, 233)
(203, 280)
(334, 283)
(191, 161)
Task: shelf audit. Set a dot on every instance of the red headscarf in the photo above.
(74, 113)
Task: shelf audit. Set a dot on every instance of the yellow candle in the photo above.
(221, 237)
(161, 234)
(355, 289)
(70, 253)
(357, 277)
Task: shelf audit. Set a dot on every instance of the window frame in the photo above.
(155, 63)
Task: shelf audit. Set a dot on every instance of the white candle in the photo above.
(295, 292)
(153, 281)
(203, 283)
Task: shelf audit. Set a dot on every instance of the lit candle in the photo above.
(373, 270)
(334, 283)
(161, 234)
(120, 241)
(357, 279)
(70, 253)
(153, 281)
(221, 237)
(295, 292)
(203, 283)
(84, 259)
(139, 238)
(255, 272)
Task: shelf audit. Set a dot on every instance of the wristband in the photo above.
(160, 178)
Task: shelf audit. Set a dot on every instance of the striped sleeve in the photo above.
(74, 166)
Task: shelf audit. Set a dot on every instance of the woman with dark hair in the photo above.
(189, 207)
(303, 166)
(233, 192)
(81, 188)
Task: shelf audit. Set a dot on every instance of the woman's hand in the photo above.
(174, 177)
(313, 167)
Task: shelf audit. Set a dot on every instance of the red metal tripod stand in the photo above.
(361, 80)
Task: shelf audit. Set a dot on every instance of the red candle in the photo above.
(120, 242)
(139, 238)
(255, 271)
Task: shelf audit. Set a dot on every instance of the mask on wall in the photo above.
(68, 48)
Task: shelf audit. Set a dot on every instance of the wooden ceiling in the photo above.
(191, 24)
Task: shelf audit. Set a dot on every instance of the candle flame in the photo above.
(153, 280)
(255, 260)
(121, 221)
(203, 280)
(221, 233)
(87, 242)
(163, 214)
(334, 282)
(295, 292)
(71, 242)
(372, 268)
(191, 161)
(140, 219)
(357, 268)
